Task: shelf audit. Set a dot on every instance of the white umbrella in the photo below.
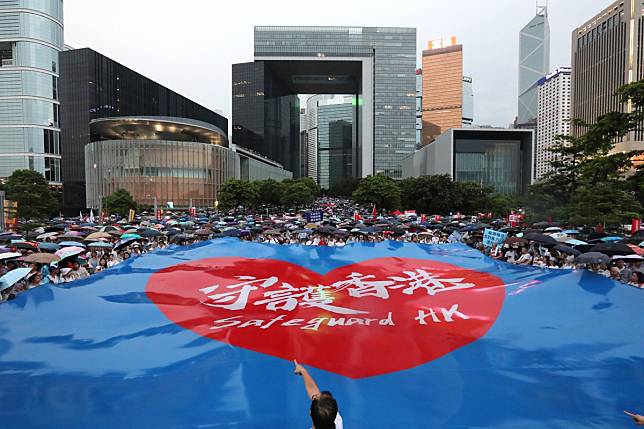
(628, 257)
(553, 229)
(10, 255)
(46, 235)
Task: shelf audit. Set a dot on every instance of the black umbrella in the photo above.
(567, 250)
(592, 258)
(541, 238)
(149, 232)
(612, 249)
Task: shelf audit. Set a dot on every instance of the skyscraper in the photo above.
(606, 54)
(442, 88)
(553, 117)
(335, 125)
(375, 64)
(468, 101)
(534, 63)
(31, 37)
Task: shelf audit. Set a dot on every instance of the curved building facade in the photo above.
(31, 38)
(174, 160)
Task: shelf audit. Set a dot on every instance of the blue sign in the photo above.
(492, 237)
(314, 216)
(403, 335)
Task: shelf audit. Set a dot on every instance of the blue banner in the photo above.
(314, 216)
(403, 335)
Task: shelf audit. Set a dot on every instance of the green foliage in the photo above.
(268, 192)
(31, 190)
(380, 190)
(297, 193)
(592, 183)
(120, 202)
(234, 193)
(345, 187)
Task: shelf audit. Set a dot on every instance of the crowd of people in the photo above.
(65, 251)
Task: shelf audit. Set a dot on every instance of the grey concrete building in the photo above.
(501, 158)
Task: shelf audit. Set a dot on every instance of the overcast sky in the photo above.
(189, 45)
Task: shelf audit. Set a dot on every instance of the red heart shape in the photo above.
(360, 320)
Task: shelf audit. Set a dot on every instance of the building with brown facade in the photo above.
(442, 100)
(607, 52)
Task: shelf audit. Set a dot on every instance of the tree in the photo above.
(268, 192)
(297, 194)
(380, 190)
(120, 202)
(31, 191)
(345, 187)
(234, 193)
(591, 182)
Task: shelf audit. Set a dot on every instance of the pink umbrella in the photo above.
(67, 252)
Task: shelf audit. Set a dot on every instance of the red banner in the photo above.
(635, 226)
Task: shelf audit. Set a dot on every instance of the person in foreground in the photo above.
(638, 419)
(324, 408)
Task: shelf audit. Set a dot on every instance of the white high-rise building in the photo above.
(31, 36)
(553, 117)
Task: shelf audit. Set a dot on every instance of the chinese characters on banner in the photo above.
(492, 237)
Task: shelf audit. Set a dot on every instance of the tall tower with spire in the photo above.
(534, 63)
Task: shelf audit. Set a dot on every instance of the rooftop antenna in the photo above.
(542, 8)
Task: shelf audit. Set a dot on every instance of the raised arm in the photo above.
(312, 389)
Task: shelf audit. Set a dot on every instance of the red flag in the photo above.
(635, 226)
(423, 218)
(356, 216)
(374, 213)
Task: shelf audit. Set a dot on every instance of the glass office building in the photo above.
(31, 37)
(94, 86)
(334, 140)
(534, 63)
(375, 64)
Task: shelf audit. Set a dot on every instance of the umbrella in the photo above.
(48, 246)
(567, 250)
(98, 235)
(124, 243)
(13, 277)
(71, 244)
(67, 252)
(592, 258)
(628, 257)
(149, 232)
(540, 238)
(205, 232)
(636, 249)
(42, 258)
(553, 229)
(27, 245)
(613, 249)
(100, 245)
(611, 239)
(10, 255)
(560, 236)
(574, 242)
(470, 228)
(46, 235)
(571, 232)
(230, 233)
(131, 237)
